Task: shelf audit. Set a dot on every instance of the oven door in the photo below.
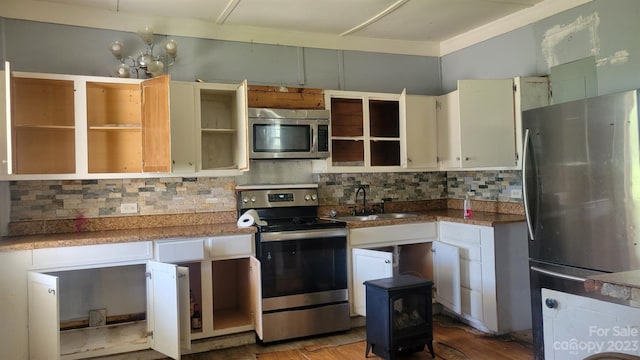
(303, 268)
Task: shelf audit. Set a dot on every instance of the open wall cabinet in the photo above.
(71, 126)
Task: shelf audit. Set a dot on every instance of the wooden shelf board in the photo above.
(61, 127)
(230, 318)
(220, 131)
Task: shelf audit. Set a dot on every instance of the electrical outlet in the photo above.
(129, 208)
(516, 193)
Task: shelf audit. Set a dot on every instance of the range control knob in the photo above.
(307, 197)
(314, 197)
(253, 199)
(551, 303)
(245, 200)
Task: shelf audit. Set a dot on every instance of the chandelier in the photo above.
(147, 63)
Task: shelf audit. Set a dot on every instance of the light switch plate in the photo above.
(516, 193)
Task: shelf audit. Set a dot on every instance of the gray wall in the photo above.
(606, 29)
(50, 48)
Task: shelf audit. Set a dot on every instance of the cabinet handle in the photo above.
(52, 291)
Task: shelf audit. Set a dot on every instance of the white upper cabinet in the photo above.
(420, 133)
(68, 127)
(368, 131)
(479, 126)
(476, 125)
(209, 128)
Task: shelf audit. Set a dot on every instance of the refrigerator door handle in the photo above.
(558, 275)
(525, 147)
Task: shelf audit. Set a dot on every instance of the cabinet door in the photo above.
(183, 127)
(255, 292)
(5, 120)
(168, 308)
(156, 146)
(487, 129)
(242, 142)
(448, 130)
(446, 263)
(44, 317)
(368, 265)
(577, 327)
(420, 132)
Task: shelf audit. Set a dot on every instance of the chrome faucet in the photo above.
(364, 198)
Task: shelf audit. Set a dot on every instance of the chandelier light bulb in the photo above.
(146, 34)
(123, 70)
(171, 48)
(116, 49)
(156, 68)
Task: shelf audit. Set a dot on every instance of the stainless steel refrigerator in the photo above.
(581, 179)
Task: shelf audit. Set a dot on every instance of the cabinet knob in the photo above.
(551, 303)
(466, 159)
(387, 262)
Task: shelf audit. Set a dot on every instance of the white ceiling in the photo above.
(405, 22)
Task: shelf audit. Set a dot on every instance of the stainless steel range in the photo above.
(303, 263)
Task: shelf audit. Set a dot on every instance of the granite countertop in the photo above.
(622, 286)
(59, 233)
(452, 215)
(29, 242)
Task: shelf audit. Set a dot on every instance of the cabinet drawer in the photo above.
(230, 246)
(394, 234)
(92, 255)
(454, 232)
(177, 250)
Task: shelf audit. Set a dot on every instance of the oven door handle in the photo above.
(302, 234)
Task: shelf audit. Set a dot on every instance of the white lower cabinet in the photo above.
(578, 327)
(481, 274)
(384, 251)
(93, 305)
(99, 311)
(224, 282)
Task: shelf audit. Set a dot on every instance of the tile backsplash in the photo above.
(70, 199)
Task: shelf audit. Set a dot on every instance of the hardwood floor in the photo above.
(452, 341)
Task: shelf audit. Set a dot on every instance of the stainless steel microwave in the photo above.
(288, 133)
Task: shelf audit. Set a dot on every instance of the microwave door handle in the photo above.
(314, 143)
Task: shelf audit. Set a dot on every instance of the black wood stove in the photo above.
(399, 316)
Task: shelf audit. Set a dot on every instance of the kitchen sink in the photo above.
(375, 217)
